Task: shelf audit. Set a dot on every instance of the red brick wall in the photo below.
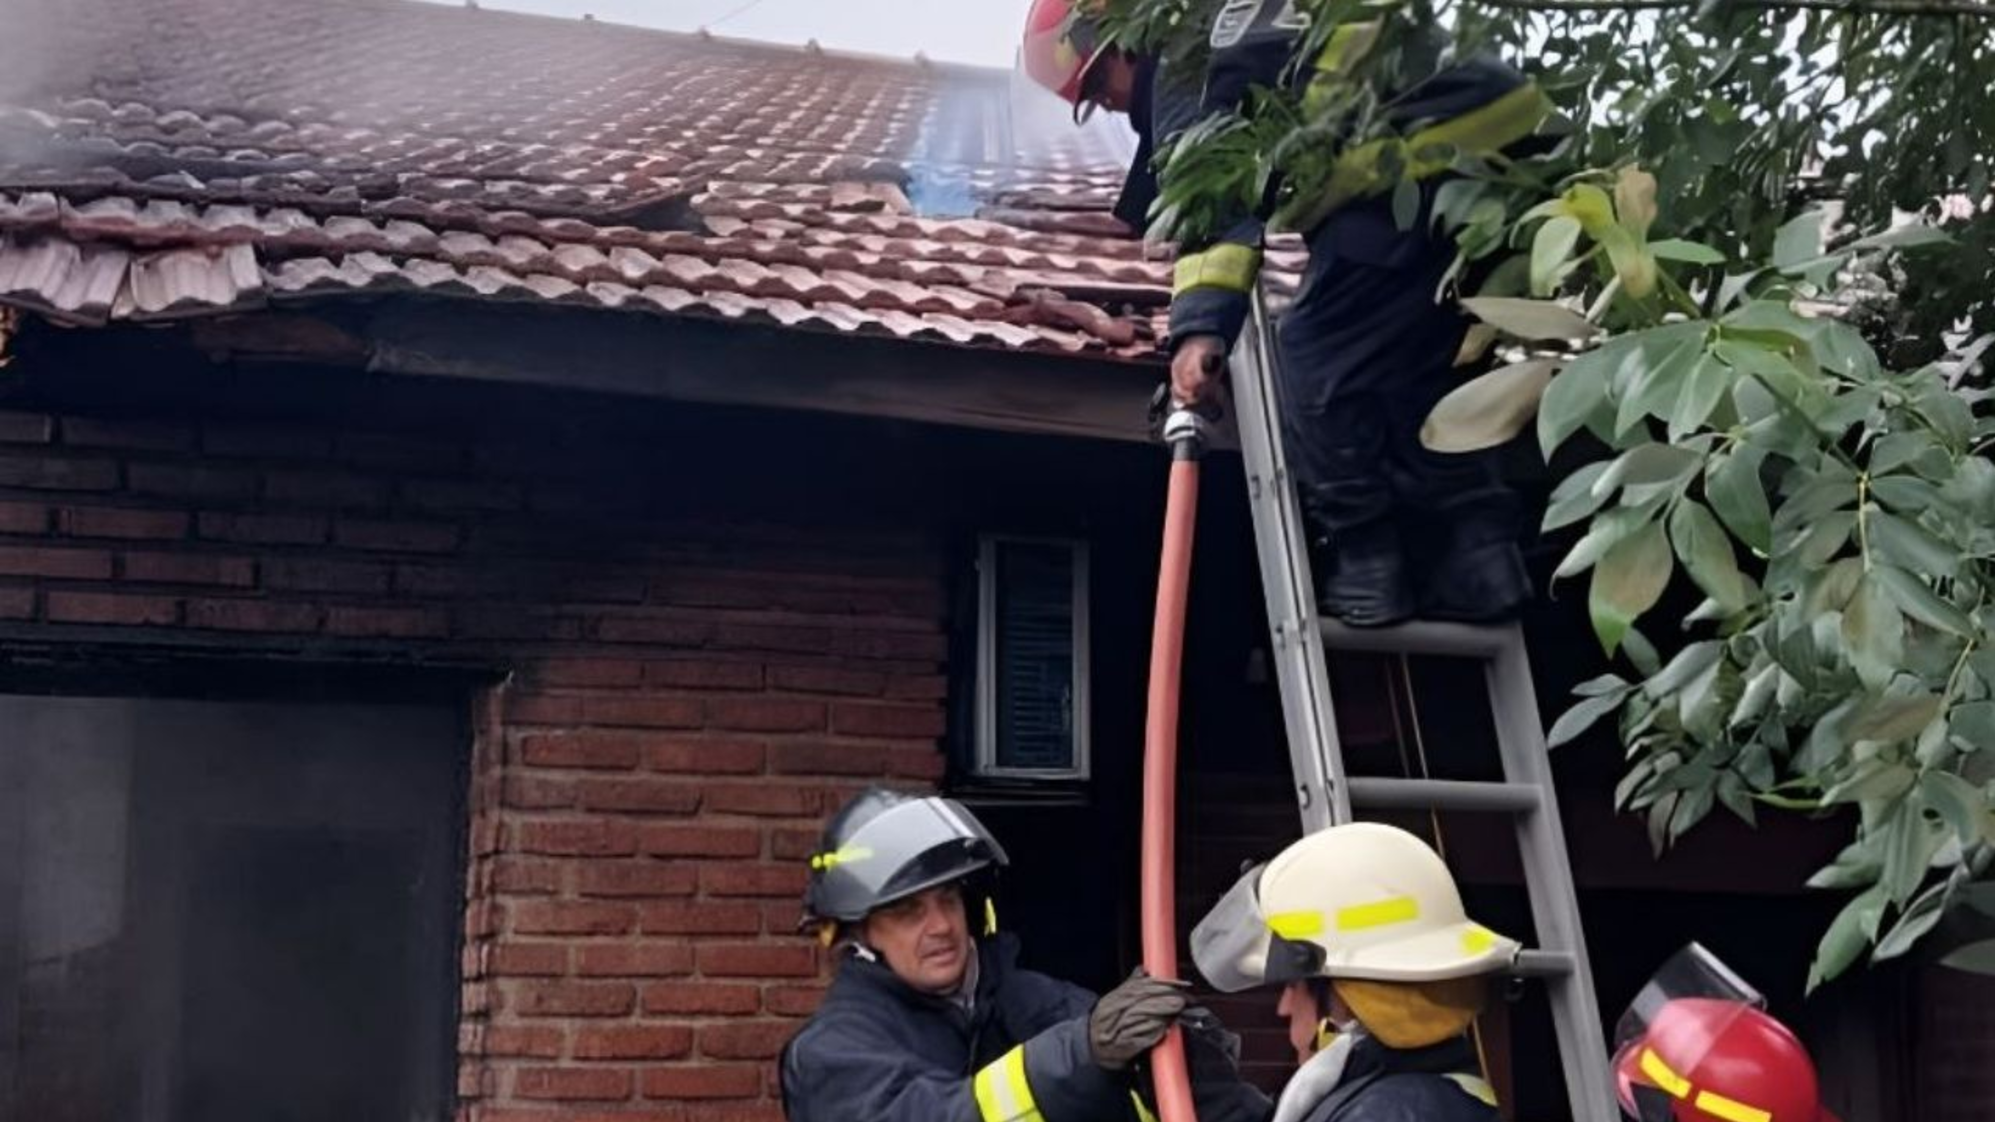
(686, 699)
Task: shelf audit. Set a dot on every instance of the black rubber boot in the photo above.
(1365, 582)
(1480, 576)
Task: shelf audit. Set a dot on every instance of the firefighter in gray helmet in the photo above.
(926, 1022)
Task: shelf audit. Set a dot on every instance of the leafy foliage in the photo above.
(1686, 300)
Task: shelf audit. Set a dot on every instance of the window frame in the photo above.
(985, 756)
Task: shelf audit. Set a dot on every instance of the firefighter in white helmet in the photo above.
(1383, 973)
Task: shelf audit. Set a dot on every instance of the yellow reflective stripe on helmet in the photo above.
(1142, 1112)
(1474, 1086)
(844, 855)
(1731, 1110)
(1477, 938)
(1228, 265)
(1296, 925)
(1660, 1073)
(1003, 1095)
(1384, 913)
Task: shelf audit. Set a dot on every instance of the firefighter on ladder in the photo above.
(1366, 349)
(1383, 973)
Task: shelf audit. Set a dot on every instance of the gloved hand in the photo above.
(1132, 1018)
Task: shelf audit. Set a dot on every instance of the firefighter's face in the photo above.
(1111, 83)
(1298, 1004)
(924, 938)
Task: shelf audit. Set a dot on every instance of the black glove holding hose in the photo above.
(1132, 1018)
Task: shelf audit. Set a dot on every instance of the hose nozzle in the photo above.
(1185, 432)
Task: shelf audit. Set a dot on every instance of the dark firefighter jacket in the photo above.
(1383, 1084)
(878, 1050)
(1475, 105)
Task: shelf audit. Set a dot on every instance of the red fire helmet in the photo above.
(1059, 50)
(1696, 1046)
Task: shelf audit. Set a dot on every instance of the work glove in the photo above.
(1132, 1018)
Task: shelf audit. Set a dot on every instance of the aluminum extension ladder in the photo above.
(1327, 795)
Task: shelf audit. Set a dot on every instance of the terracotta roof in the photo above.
(189, 157)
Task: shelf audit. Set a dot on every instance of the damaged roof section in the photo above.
(221, 155)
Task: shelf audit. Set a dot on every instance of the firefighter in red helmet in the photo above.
(1366, 348)
(1697, 1045)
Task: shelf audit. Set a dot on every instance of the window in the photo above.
(1032, 659)
(227, 911)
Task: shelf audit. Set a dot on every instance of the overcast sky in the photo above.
(978, 31)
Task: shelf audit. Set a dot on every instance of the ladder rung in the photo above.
(1444, 794)
(1543, 964)
(1420, 637)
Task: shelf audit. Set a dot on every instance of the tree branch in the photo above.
(1873, 7)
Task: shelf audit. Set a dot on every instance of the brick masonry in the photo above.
(682, 702)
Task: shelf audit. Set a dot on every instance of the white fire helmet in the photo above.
(1362, 900)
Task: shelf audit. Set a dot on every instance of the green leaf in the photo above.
(1575, 395)
(1846, 937)
(1908, 848)
(1658, 384)
(1894, 450)
(1550, 251)
(1904, 237)
(1911, 546)
(1798, 241)
(1905, 493)
(1649, 465)
(1830, 589)
(1758, 694)
(1406, 203)
(1607, 531)
(1574, 497)
(1972, 958)
(1706, 552)
(1873, 781)
(1856, 866)
(1582, 716)
(1732, 484)
(1628, 581)
(1874, 635)
(1601, 686)
(1973, 724)
(1708, 384)
(1692, 253)
(1488, 411)
(1689, 663)
(1531, 319)
(1917, 599)
(1912, 925)
(1732, 792)
(1892, 718)
(1635, 201)
(1692, 807)
(1963, 805)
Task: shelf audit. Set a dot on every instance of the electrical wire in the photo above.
(740, 10)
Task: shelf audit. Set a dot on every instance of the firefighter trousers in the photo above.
(1365, 351)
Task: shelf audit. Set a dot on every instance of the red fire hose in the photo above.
(1184, 432)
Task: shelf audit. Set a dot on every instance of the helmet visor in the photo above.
(1673, 1023)
(912, 847)
(1230, 946)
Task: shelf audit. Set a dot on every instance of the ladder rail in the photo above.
(1301, 668)
(1325, 791)
(1541, 844)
